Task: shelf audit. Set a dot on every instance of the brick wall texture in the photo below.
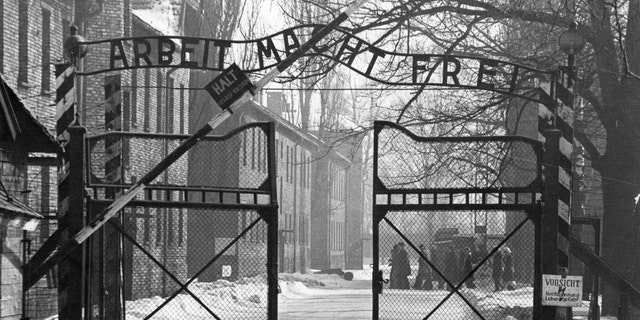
(31, 40)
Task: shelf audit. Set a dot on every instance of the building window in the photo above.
(253, 149)
(183, 114)
(158, 226)
(288, 164)
(45, 59)
(134, 96)
(2, 38)
(308, 172)
(66, 32)
(170, 230)
(23, 43)
(180, 225)
(170, 104)
(147, 99)
(302, 169)
(146, 227)
(126, 109)
(294, 163)
(127, 18)
(260, 153)
(159, 117)
(244, 148)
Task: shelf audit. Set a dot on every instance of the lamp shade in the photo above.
(571, 41)
(72, 46)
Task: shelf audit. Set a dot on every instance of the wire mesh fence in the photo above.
(455, 237)
(196, 246)
(41, 300)
(193, 245)
(406, 161)
(427, 256)
(176, 263)
(237, 161)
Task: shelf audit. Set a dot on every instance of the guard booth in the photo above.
(421, 197)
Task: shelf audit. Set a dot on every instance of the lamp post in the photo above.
(571, 42)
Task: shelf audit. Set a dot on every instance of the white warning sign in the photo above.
(561, 291)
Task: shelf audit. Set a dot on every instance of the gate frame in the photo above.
(535, 211)
(79, 186)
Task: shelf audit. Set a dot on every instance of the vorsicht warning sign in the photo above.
(561, 291)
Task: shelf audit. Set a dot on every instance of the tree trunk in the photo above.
(620, 177)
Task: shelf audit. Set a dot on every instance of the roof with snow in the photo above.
(162, 15)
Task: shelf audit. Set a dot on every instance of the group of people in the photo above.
(454, 264)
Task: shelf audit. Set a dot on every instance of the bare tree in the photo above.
(219, 20)
(526, 32)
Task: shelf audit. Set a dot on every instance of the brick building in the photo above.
(320, 216)
(153, 100)
(31, 37)
(23, 145)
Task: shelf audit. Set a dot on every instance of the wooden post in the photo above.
(550, 217)
(272, 230)
(71, 271)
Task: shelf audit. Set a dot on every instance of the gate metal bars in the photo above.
(455, 226)
(202, 241)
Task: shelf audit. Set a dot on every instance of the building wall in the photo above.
(153, 100)
(23, 65)
(10, 274)
(13, 175)
(31, 37)
(294, 168)
(312, 195)
(328, 205)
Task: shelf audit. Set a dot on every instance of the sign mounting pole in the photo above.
(121, 202)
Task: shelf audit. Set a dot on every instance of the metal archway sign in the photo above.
(374, 63)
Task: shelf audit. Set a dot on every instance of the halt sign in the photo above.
(561, 291)
(230, 85)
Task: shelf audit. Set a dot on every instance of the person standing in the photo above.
(508, 275)
(497, 270)
(423, 279)
(451, 267)
(393, 281)
(468, 268)
(402, 268)
(438, 260)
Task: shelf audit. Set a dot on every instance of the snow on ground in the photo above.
(246, 297)
(500, 305)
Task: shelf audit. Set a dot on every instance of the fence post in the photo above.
(549, 258)
(272, 230)
(71, 207)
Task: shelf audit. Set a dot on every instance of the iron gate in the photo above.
(446, 211)
(202, 237)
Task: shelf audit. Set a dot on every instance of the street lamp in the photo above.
(72, 47)
(571, 42)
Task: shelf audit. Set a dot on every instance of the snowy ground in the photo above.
(321, 296)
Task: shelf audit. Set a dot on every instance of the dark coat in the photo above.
(498, 265)
(423, 267)
(468, 266)
(508, 274)
(401, 263)
(451, 266)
